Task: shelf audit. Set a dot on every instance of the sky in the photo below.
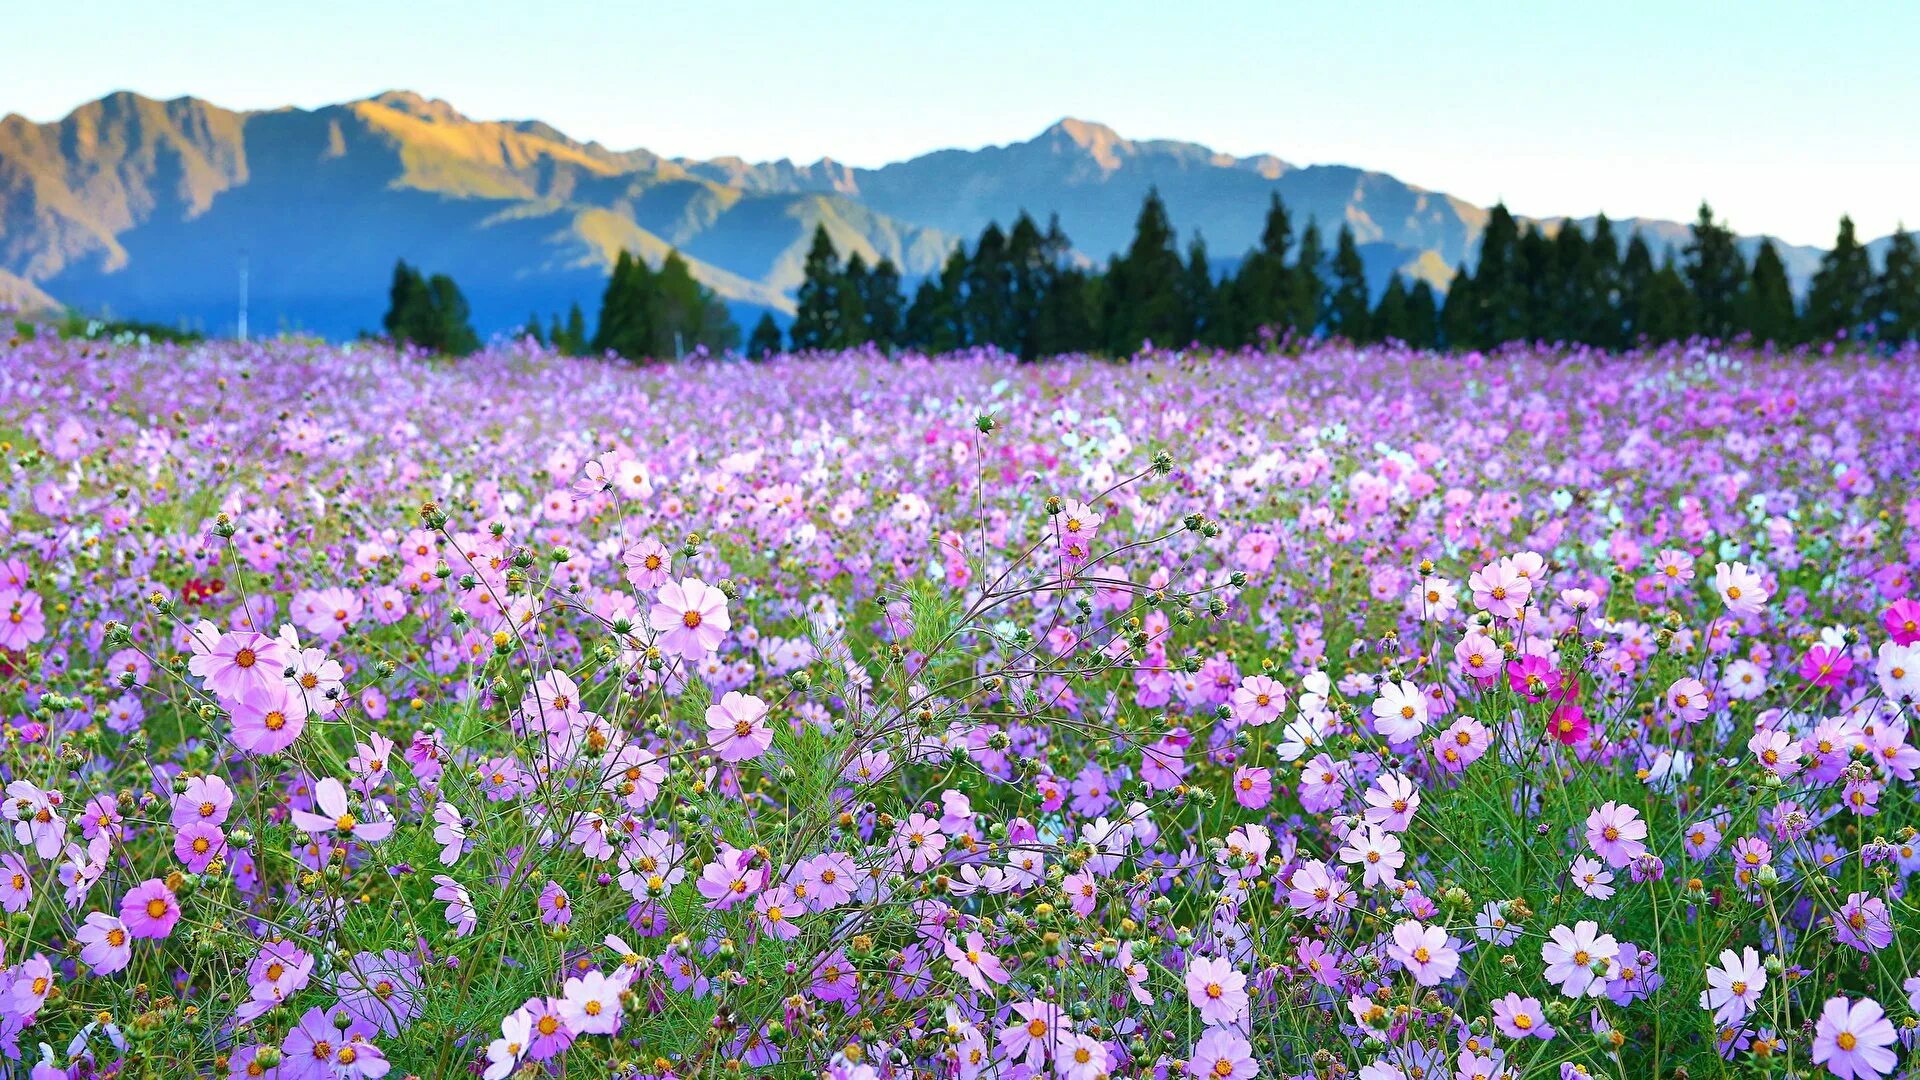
(1783, 115)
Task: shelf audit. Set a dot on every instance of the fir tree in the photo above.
(1460, 317)
(1308, 279)
(765, 339)
(1766, 304)
(883, 304)
(1896, 295)
(816, 319)
(1498, 293)
(1716, 274)
(1347, 309)
(1391, 315)
(1665, 305)
(1423, 317)
(850, 316)
(1837, 298)
(1197, 294)
(1143, 286)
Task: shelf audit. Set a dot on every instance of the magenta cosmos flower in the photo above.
(150, 910)
(1852, 1039)
(1902, 621)
(737, 727)
(691, 617)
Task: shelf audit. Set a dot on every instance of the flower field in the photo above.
(1348, 713)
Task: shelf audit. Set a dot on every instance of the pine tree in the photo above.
(625, 324)
(533, 330)
(1197, 294)
(1837, 298)
(1391, 316)
(989, 291)
(1308, 278)
(850, 315)
(1347, 308)
(1716, 273)
(1896, 296)
(409, 315)
(936, 322)
(1460, 317)
(1498, 294)
(1666, 305)
(815, 322)
(1143, 301)
(557, 335)
(1263, 289)
(765, 339)
(1423, 317)
(1032, 270)
(1766, 304)
(884, 305)
(1575, 288)
(1604, 323)
(1538, 286)
(452, 323)
(575, 341)
(1636, 273)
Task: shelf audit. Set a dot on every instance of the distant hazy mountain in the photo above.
(143, 208)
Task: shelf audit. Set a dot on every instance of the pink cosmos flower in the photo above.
(1826, 666)
(1616, 834)
(1222, 1054)
(1740, 588)
(1902, 621)
(1572, 953)
(267, 719)
(1400, 712)
(778, 909)
(1391, 802)
(1427, 952)
(1258, 700)
(737, 727)
(1854, 1039)
(1252, 787)
(1500, 590)
(691, 618)
(1217, 989)
(105, 943)
(22, 622)
(149, 910)
(1035, 1030)
(204, 799)
(1518, 1018)
(330, 798)
(240, 662)
(1733, 987)
(918, 843)
(590, 1004)
(974, 963)
(648, 563)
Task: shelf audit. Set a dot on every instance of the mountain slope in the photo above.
(143, 208)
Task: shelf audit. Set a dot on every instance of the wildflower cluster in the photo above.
(1375, 714)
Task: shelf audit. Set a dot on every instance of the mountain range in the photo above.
(145, 209)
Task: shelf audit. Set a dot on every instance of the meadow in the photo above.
(1338, 712)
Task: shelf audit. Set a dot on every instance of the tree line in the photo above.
(1024, 291)
(644, 313)
(1020, 291)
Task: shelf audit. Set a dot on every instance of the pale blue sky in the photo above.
(1783, 114)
